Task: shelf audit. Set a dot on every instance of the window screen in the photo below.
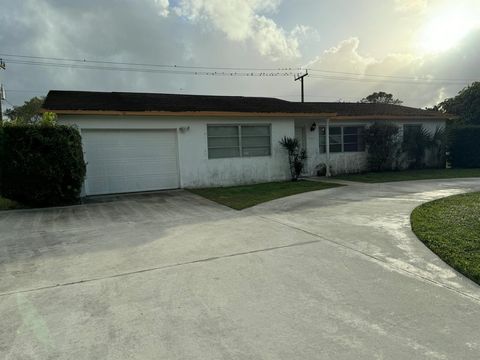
(228, 141)
(342, 139)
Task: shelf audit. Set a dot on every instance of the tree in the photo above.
(466, 104)
(382, 140)
(381, 98)
(28, 113)
(296, 156)
(48, 119)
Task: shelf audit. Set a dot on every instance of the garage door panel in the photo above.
(128, 161)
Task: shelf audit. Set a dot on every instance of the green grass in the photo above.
(241, 197)
(6, 204)
(450, 227)
(423, 174)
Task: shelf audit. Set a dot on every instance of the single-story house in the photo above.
(142, 142)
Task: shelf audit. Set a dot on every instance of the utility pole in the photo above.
(2, 97)
(2, 92)
(301, 77)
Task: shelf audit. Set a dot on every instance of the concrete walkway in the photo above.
(333, 274)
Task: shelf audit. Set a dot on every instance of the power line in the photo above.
(229, 74)
(221, 69)
(27, 91)
(415, 78)
(154, 65)
(8, 102)
(278, 73)
(411, 82)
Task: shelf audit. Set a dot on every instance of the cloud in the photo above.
(438, 76)
(411, 5)
(243, 20)
(161, 32)
(272, 41)
(343, 57)
(163, 6)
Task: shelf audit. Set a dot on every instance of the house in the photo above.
(141, 142)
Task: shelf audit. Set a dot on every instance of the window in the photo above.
(353, 139)
(410, 131)
(229, 141)
(343, 139)
(335, 139)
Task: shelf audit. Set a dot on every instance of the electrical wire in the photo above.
(158, 71)
(222, 71)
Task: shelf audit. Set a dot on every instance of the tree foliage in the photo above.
(296, 156)
(466, 104)
(415, 144)
(381, 97)
(382, 141)
(28, 113)
(41, 164)
(465, 146)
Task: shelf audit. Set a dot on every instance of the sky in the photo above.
(422, 51)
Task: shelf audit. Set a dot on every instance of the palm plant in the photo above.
(439, 146)
(296, 156)
(415, 144)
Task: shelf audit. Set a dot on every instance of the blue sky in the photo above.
(401, 40)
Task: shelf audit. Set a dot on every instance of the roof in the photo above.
(116, 103)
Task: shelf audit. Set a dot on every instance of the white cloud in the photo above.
(272, 41)
(411, 5)
(399, 72)
(94, 30)
(343, 57)
(163, 6)
(242, 20)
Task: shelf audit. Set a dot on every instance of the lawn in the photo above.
(423, 174)
(6, 204)
(241, 197)
(450, 227)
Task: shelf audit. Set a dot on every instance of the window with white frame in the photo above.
(229, 141)
(342, 139)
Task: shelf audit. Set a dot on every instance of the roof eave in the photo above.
(187, 113)
(389, 117)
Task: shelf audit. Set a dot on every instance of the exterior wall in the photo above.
(196, 170)
(349, 162)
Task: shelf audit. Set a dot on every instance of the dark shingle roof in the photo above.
(147, 102)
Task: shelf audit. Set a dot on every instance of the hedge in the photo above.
(465, 146)
(41, 165)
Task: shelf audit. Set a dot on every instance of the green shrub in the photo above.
(296, 156)
(382, 142)
(465, 146)
(416, 141)
(41, 165)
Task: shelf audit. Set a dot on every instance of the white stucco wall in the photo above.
(348, 162)
(196, 170)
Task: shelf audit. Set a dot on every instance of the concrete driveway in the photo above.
(335, 274)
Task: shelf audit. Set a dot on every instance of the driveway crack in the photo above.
(159, 268)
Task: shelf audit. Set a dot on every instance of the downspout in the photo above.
(327, 147)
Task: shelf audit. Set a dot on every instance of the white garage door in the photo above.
(121, 161)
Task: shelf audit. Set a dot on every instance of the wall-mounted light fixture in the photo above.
(184, 129)
(313, 127)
